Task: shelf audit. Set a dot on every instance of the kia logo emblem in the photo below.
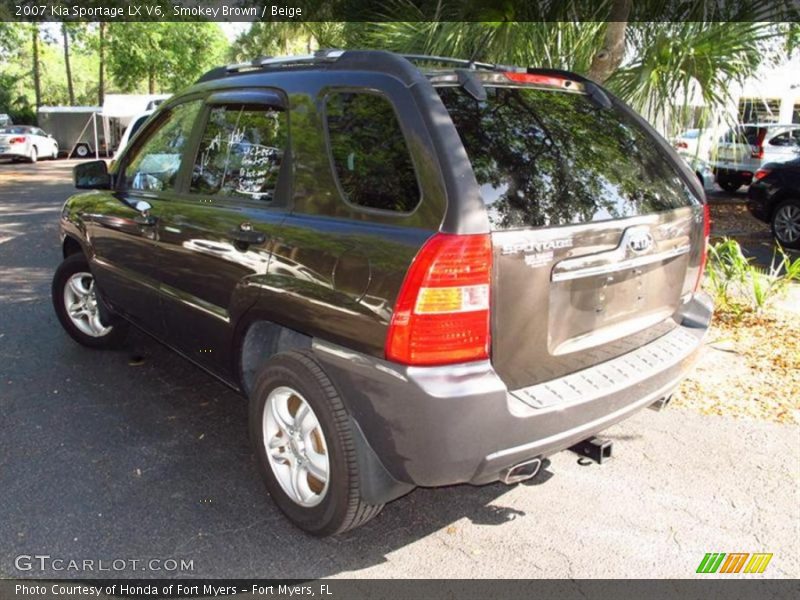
(640, 241)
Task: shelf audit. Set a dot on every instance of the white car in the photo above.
(25, 141)
(703, 171)
(693, 143)
(746, 148)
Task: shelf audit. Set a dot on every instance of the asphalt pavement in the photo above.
(138, 455)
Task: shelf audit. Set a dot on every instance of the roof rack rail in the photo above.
(470, 64)
(320, 56)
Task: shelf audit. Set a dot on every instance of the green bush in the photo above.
(740, 287)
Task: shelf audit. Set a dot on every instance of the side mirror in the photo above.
(92, 176)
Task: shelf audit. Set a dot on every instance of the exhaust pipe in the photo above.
(521, 472)
(660, 404)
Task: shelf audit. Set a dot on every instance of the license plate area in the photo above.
(589, 311)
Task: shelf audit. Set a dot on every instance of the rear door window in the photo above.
(241, 152)
(369, 152)
(546, 158)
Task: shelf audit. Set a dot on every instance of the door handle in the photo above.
(246, 235)
(144, 217)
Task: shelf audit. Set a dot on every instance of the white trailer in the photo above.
(83, 131)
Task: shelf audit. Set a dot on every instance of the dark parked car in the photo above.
(774, 197)
(421, 271)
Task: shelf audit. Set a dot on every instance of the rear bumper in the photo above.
(741, 172)
(14, 152)
(460, 424)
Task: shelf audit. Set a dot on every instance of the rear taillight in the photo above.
(704, 254)
(761, 173)
(17, 140)
(538, 79)
(682, 145)
(442, 311)
(757, 152)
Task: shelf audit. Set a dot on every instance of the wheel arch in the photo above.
(256, 340)
(781, 197)
(71, 246)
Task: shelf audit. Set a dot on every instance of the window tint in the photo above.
(370, 156)
(156, 162)
(554, 158)
(241, 152)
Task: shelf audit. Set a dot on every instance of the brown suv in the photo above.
(421, 271)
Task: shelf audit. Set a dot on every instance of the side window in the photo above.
(787, 139)
(369, 152)
(155, 163)
(781, 140)
(241, 152)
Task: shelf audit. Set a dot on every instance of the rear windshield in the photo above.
(554, 158)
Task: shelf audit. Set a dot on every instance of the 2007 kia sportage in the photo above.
(420, 271)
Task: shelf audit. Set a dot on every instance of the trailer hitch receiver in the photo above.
(594, 448)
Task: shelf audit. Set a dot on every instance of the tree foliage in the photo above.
(165, 56)
(175, 54)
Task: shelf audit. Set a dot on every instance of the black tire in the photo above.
(729, 185)
(73, 264)
(791, 206)
(34, 155)
(341, 508)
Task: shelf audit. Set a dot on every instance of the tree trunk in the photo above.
(70, 88)
(101, 86)
(610, 56)
(151, 81)
(37, 87)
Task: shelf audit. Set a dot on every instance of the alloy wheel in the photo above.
(80, 301)
(787, 223)
(295, 446)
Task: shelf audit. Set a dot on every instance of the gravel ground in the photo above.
(749, 369)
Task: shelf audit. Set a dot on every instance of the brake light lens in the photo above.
(17, 140)
(704, 255)
(761, 173)
(442, 311)
(537, 79)
(682, 145)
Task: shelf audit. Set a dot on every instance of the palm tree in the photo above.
(671, 62)
(655, 66)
